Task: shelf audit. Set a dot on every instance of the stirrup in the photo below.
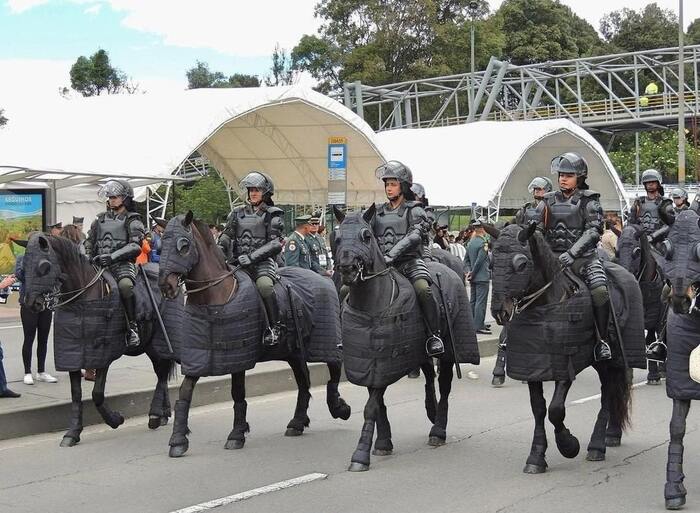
(434, 346)
(271, 336)
(132, 335)
(602, 351)
(657, 351)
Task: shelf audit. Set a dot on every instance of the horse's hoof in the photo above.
(341, 410)
(567, 444)
(69, 441)
(382, 452)
(357, 467)
(676, 503)
(178, 450)
(498, 381)
(115, 420)
(293, 432)
(612, 441)
(164, 421)
(234, 444)
(435, 441)
(535, 469)
(154, 422)
(595, 455)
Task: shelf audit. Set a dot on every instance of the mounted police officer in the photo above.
(114, 241)
(400, 226)
(252, 239)
(427, 244)
(646, 210)
(572, 222)
(539, 186)
(296, 250)
(680, 199)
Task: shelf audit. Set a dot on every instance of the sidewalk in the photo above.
(45, 407)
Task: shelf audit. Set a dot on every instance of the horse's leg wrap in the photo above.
(674, 490)
(301, 419)
(178, 440)
(536, 463)
(430, 395)
(596, 446)
(236, 438)
(361, 458)
(75, 427)
(383, 445)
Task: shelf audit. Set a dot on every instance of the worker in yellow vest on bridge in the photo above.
(651, 90)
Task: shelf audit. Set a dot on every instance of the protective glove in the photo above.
(244, 260)
(103, 260)
(388, 260)
(566, 260)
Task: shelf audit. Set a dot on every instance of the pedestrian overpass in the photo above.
(598, 93)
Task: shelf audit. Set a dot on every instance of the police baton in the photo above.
(450, 331)
(155, 308)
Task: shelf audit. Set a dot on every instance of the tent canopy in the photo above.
(283, 131)
(492, 163)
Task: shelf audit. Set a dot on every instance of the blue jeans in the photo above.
(3, 378)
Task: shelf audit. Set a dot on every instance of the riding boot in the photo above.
(132, 334)
(272, 334)
(434, 345)
(601, 316)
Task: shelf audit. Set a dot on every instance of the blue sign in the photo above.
(337, 156)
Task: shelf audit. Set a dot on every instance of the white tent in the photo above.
(491, 163)
(281, 130)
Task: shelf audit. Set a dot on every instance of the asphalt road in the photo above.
(479, 470)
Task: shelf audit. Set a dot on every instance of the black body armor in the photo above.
(118, 235)
(572, 224)
(401, 231)
(645, 212)
(528, 213)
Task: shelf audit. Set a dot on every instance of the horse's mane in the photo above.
(68, 251)
(208, 239)
(546, 260)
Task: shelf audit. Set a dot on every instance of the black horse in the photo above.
(90, 325)
(635, 253)
(681, 266)
(224, 322)
(384, 335)
(551, 336)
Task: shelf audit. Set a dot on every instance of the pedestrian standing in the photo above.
(4, 391)
(35, 325)
(478, 275)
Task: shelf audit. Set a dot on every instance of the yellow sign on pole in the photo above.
(337, 140)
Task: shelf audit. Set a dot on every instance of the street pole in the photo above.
(472, 107)
(681, 97)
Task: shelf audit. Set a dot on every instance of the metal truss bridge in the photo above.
(599, 93)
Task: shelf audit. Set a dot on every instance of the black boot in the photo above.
(656, 351)
(601, 316)
(434, 346)
(132, 332)
(272, 333)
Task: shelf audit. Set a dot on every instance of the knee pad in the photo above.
(126, 287)
(600, 295)
(422, 288)
(265, 286)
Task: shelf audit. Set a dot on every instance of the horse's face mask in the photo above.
(42, 273)
(353, 241)
(512, 266)
(629, 251)
(681, 262)
(178, 254)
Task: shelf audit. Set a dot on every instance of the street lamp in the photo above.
(681, 97)
(473, 8)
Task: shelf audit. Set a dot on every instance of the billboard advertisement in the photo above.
(22, 211)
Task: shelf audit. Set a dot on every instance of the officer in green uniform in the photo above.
(317, 246)
(296, 251)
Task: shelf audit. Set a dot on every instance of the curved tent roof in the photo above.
(281, 130)
(492, 163)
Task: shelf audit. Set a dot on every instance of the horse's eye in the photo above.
(183, 246)
(43, 267)
(667, 249)
(636, 252)
(696, 253)
(365, 235)
(519, 262)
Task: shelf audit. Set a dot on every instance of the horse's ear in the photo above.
(339, 214)
(20, 242)
(188, 219)
(528, 232)
(491, 230)
(160, 221)
(369, 213)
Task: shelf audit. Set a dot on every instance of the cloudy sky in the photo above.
(155, 41)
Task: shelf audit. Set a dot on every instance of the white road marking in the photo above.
(275, 487)
(597, 396)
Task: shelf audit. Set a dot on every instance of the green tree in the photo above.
(281, 69)
(3, 119)
(544, 30)
(200, 76)
(693, 35)
(631, 31)
(207, 198)
(94, 75)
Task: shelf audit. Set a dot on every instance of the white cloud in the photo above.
(93, 9)
(19, 6)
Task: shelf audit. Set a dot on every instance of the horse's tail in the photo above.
(172, 369)
(620, 395)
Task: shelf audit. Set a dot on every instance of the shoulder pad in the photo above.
(237, 209)
(411, 204)
(131, 215)
(275, 211)
(587, 193)
(101, 216)
(640, 199)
